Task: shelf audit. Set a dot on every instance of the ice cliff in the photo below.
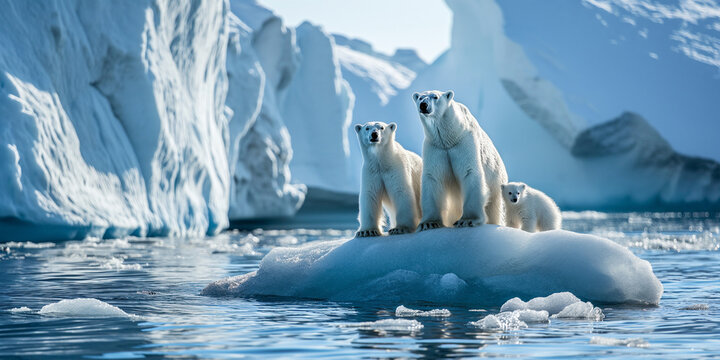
(145, 117)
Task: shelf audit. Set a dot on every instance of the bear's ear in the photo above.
(502, 186)
(357, 128)
(449, 95)
(522, 187)
(416, 96)
(393, 126)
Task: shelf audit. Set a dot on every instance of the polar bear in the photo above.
(462, 170)
(390, 178)
(529, 209)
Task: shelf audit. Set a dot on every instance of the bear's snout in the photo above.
(374, 137)
(514, 200)
(424, 107)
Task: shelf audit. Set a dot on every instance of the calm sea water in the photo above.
(158, 281)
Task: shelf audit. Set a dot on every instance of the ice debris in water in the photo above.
(402, 311)
(553, 304)
(581, 310)
(516, 314)
(83, 307)
(21, 309)
(119, 264)
(631, 342)
(696, 307)
(402, 325)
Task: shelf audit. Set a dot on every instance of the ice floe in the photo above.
(482, 265)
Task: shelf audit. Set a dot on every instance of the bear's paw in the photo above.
(368, 233)
(429, 225)
(468, 223)
(400, 230)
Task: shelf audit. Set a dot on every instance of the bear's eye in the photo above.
(382, 128)
(509, 193)
(434, 96)
(367, 128)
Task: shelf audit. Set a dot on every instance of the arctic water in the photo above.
(155, 285)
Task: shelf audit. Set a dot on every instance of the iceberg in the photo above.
(481, 265)
(262, 60)
(163, 122)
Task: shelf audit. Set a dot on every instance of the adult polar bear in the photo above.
(462, 170)
(390, 179)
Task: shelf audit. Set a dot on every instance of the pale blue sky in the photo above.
(421, 24)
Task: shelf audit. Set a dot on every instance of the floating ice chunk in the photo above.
(630, 342)
(83, 307)
(553, 304)
(21, 309)
(696, 307)
(581, 310)
(532, 316)
(504, 321)
(402, 325)
(402, 311)
(119, 264)
(480, 265)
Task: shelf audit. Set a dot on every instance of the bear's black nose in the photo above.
(423, 107)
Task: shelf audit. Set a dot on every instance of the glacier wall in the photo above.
(162, 121)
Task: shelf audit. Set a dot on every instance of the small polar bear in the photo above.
(529, 209)
(390, 178)
(462, 170)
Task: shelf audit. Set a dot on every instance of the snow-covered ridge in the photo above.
(484, 265)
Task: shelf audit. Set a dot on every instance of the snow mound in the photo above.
(482, 265)
(83, 307)
(402, 311)
(630, 342)
(401, 325)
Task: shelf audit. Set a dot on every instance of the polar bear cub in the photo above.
(390, 178)
(462, 170)
(529, 209)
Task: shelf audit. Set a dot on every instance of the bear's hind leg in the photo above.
(494, 208)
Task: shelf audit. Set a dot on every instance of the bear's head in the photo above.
(432, 102)
(513, 192)
(373, 134)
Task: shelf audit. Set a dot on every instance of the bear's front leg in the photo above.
(529, 224)
(371, 195)
(473, 191)
(405, 207)
(435, 168)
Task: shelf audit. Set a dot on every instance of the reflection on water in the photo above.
(159, 280)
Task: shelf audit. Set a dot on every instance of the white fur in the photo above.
(391, 179)
(462, 170)
(532, 211)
